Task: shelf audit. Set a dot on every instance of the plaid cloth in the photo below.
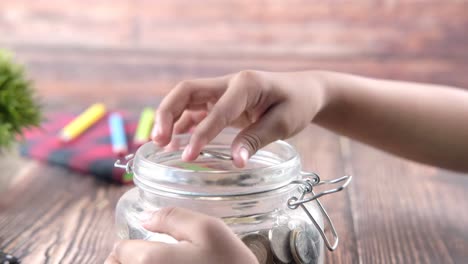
(90, 153)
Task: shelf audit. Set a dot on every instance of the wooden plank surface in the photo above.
(50, 215)
(405, 212)
(395, 211)
(128, 53)
(327, 27)
(89, 75)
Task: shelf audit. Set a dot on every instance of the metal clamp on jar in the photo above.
(258, 202)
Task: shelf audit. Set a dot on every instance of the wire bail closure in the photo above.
(310, 179)
(127, 164)
(307, 186)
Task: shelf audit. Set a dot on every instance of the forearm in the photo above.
(426, 123)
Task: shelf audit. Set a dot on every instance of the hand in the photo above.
(266, 106)
(202, 240)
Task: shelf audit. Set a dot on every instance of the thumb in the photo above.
(273, 125)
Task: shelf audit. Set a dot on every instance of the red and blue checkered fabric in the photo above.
(90, 153)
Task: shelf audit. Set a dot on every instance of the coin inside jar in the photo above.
(303, 245)
(260, 246)
(279, 242)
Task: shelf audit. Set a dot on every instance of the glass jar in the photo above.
(270, 204)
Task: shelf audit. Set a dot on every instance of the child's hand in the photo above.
(267, 106)
(202, 240)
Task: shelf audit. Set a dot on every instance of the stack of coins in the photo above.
(260, 246)
(304, 245)
(300, 245)
(280, 246)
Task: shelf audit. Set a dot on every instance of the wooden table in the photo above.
(127, 53)
(394, 211)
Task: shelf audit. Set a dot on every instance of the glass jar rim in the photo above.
(273, 167)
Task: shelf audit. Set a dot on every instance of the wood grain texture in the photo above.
(53, 216)
(110, 75)
(10, 166)
(128, 53)
(321, 27)
(406, 212)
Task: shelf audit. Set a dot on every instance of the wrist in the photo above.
(331, 93)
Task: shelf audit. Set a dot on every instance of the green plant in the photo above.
(18, 107)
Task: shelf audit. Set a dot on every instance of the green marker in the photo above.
(127, 177)
(144, 126)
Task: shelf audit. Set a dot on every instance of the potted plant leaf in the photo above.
(19, 108)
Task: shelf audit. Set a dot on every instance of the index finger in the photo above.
(241, 94)
(194, 92)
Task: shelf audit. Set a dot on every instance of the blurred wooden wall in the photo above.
(121, 50)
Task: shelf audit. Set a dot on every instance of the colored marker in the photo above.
(144, 127)
(117, 132)
(81, 123)
(127, 177)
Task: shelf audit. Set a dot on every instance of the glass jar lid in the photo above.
(212, 173)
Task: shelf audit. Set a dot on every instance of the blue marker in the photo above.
(117, 131)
